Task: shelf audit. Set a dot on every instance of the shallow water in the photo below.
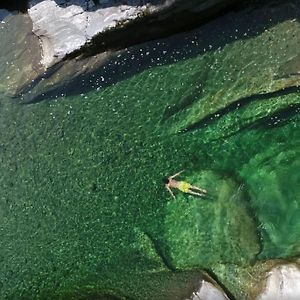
(83, 207)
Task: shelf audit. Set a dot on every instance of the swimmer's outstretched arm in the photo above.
(175, 175)
(170, 191)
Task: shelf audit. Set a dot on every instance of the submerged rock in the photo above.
(290, 69)
(227, 220)
(20, 53)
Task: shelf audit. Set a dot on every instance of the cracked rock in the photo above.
(66, 29)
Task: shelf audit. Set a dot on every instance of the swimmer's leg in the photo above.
(196, 194)
(195, 188)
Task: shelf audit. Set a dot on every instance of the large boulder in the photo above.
(282, 283)
(64, 30)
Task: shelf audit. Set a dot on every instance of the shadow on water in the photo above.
(209, 119)
(235, 25)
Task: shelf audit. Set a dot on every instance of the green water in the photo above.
(83, 207)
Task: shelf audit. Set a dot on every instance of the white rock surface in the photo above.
(208, 291)
(283, 283)
(63, 30)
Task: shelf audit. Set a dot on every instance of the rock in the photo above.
(208, 290)
(84, 30)
(282, 283)
(214, 44)
(64, 30)
(68, 26)
(85, 4)
(20, 53)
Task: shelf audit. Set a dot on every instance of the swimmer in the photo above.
(183, 186)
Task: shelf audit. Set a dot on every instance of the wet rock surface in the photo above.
(20, 53)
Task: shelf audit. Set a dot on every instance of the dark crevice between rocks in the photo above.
(211, 118)
(216, 279)
(279, 118)
(271, 121)
(161, 252)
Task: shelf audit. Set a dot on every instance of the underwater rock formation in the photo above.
(20, 53)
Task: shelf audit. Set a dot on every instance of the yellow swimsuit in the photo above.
(184, 186)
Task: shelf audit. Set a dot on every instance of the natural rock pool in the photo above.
(84, 212)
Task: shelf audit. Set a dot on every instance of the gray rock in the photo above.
(66, 29)
(19, 62)
(86, 4)
(208, 291)
(282, 283)
(70, 25)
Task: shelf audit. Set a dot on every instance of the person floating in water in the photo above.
(183, 186)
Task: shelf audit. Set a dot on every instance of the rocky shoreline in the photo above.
(79, 29)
